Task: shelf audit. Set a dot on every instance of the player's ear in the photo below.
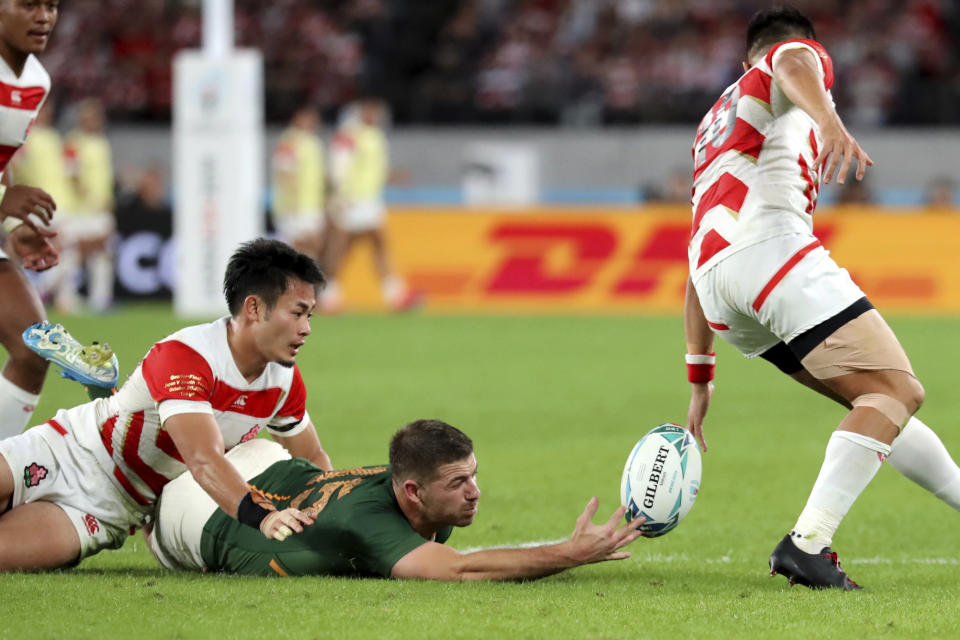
(412, 490)
(253, 307)
(746, 66)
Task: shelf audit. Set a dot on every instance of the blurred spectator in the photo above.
(574, 61)
(855, 192)
(148, 199)
(941, 194)
(676, 188)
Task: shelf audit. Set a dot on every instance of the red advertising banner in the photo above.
(584, 260)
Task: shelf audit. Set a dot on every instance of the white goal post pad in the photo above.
(218, 168)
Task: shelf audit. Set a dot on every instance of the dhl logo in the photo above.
(616, 261)
(526, 264)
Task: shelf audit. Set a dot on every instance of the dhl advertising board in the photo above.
(586, 260)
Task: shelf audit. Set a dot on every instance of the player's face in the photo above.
(284, 329)
(25, 25)
(451, 497)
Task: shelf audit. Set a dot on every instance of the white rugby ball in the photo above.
(661, 478)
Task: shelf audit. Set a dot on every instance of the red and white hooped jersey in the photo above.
(20, 101)
(191, 371)
(753, 164)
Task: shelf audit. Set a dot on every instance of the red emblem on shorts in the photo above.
(91, 524)
(250, 435)
(33, 474)
(882, 457)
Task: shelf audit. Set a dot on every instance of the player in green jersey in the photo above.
(378, 521)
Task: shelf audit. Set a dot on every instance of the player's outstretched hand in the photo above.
(700, 394)
(280, 525)
(31, 205)
(595, 543)
(838, 148)
(36, 251)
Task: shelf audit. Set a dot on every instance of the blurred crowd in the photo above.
(577, 62)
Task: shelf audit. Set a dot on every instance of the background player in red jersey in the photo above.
(760, 279)
(82, 481)
(25, 29)
(388, 521)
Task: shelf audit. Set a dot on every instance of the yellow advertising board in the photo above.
(588, 260)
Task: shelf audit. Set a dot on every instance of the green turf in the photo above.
(554, 405)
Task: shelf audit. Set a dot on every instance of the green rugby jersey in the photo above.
(359, 527)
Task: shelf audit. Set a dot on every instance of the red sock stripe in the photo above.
(779, 275)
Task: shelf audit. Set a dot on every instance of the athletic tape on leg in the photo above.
(894, 410)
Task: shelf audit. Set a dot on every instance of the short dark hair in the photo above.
(421, 447)
(265, 268)
(778, 23)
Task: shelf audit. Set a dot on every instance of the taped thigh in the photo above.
(865, 343)
(895, 411)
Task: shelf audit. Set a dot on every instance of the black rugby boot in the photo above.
(815, 570)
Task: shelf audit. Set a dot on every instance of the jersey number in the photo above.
(720, 127)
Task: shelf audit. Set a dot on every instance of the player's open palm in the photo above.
(280, 525)
(700, 394)
(31, 205)
(839, 149)
(595, 543)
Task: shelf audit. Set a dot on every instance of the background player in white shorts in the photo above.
(359, 173)
(299, 184)
(760, 279)
(85, 479)
(86, 229)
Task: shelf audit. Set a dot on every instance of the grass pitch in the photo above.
(554, 405)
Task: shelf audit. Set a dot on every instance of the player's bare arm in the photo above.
(699, 338)
(36, 251)
(306, 444)
(589, 543)
(200, 443)
(797, 73)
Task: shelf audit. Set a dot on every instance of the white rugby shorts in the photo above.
(773, 291)
(293, 225)
(357, 217)
(49, 465)
(184, 507)
(78, 227)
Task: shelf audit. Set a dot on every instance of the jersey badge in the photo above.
(250, 435)
(33, 474)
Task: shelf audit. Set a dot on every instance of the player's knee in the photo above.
(914, 395)
(25, 365)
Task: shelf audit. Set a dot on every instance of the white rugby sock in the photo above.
(16, 408)
(393, 289)
(851, 461)
(100, 284)
(919, 454)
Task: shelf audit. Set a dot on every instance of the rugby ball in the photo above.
(661, 479)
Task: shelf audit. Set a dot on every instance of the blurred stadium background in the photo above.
(543, 144)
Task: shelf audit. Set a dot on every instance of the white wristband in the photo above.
(701, 358)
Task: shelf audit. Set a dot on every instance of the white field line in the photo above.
(668, 558)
